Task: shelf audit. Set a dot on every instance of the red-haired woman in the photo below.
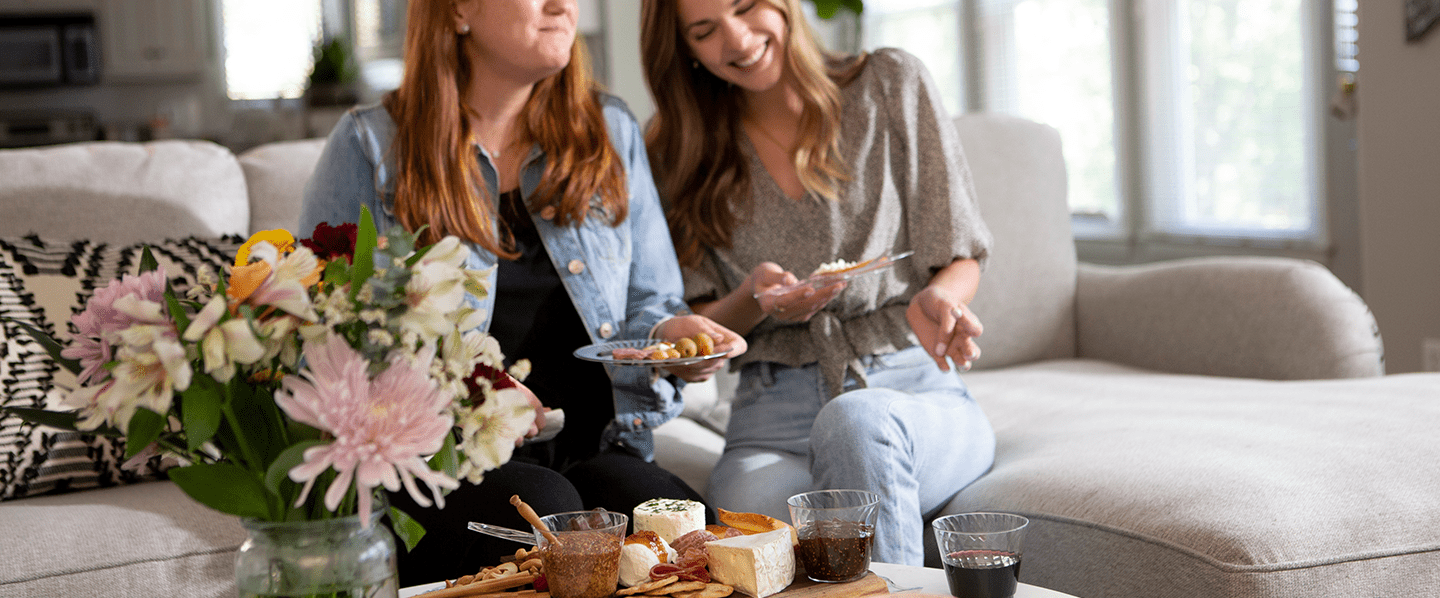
(498, 135)
(770, 151)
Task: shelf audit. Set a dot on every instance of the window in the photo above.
(269, 44)
(268, 47)
(1183, 121)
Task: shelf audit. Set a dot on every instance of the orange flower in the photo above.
(283, 241)
(245, 279)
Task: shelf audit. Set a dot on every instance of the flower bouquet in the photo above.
(304, 380)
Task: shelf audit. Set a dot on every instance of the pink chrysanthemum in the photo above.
(383, 428)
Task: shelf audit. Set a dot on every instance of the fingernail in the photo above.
(958, 313)
(940, 350)
(966, 367)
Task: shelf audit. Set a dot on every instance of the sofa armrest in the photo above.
(1249, 317)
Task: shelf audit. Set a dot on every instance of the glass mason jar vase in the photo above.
(328, 557)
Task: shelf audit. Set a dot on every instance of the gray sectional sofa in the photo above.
(1204, 428)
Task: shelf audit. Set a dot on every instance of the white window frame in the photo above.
(1131, 238)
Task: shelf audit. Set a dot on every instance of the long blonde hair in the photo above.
(694, 137)
(438, 181)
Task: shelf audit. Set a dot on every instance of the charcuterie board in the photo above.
(869, 585)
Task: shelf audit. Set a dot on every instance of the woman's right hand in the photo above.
(795, 305)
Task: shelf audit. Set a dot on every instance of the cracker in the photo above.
(647, 586)
(712, 590)
(679, 586)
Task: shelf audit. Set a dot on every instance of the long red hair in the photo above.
(438, 181)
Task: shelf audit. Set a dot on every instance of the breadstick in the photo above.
(488, 586)
(529, 515)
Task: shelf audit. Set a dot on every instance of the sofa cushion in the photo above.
(1141, 483)
(139, 541)
(123, 192)
(43, 283)
(275, 176)
(1027, 291)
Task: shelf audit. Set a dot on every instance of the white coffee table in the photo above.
(932, 581)
(903, 577)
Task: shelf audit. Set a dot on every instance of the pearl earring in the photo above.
(464, 29)
(694, 64)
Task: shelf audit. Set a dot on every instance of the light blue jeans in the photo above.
(914, 436)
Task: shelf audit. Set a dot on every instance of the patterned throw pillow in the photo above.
(44, 282)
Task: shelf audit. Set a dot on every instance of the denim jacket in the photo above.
(623, 280)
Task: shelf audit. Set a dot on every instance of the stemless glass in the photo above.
(837, 532)
(981, 553)
(585, 561)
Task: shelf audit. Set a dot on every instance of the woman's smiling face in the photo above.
(739, 41)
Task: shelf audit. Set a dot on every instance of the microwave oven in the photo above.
(48, 50)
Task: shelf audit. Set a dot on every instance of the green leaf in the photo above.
(447, 460)
(200, 412)
(64, 420)
(826, 9)
(406, 528)
(145, 427)
(363, 262)
(147, 260)
(177, 311)
(337, 272)
(279, 472)
(51, 347)
(224, 487)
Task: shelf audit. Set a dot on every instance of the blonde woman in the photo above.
(774, 158)
(498, 135)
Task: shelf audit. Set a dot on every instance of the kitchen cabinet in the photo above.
(45, 6)
(149, 40)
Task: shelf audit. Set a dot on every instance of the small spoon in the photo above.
(505, 533)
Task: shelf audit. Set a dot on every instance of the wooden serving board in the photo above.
(802, 587)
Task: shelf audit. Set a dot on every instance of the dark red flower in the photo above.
(499, 380)
(330, 242)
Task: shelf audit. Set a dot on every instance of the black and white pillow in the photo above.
(43, 283)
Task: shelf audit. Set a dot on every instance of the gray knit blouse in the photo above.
(910, 189)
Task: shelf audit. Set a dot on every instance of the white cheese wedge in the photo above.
(669, 517)
(758, 564)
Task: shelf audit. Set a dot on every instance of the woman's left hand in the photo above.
(688, 326)
(945, 326)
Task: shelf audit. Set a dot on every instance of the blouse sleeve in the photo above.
(943, 217)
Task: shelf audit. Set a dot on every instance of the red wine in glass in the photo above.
(982, 573)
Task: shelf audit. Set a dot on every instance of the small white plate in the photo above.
(601, 352)
(824, 280)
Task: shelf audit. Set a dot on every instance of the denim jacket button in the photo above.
(638, 422)
(606, 330)
(576, 266)
(547, 212)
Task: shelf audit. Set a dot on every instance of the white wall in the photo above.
(1399, 180)
(622, 41)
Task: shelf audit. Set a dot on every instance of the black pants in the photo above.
(612, 481)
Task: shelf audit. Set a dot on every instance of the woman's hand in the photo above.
(688, 326)
(540, 410)
(945, 326)
(941, 318)
(796, 305)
